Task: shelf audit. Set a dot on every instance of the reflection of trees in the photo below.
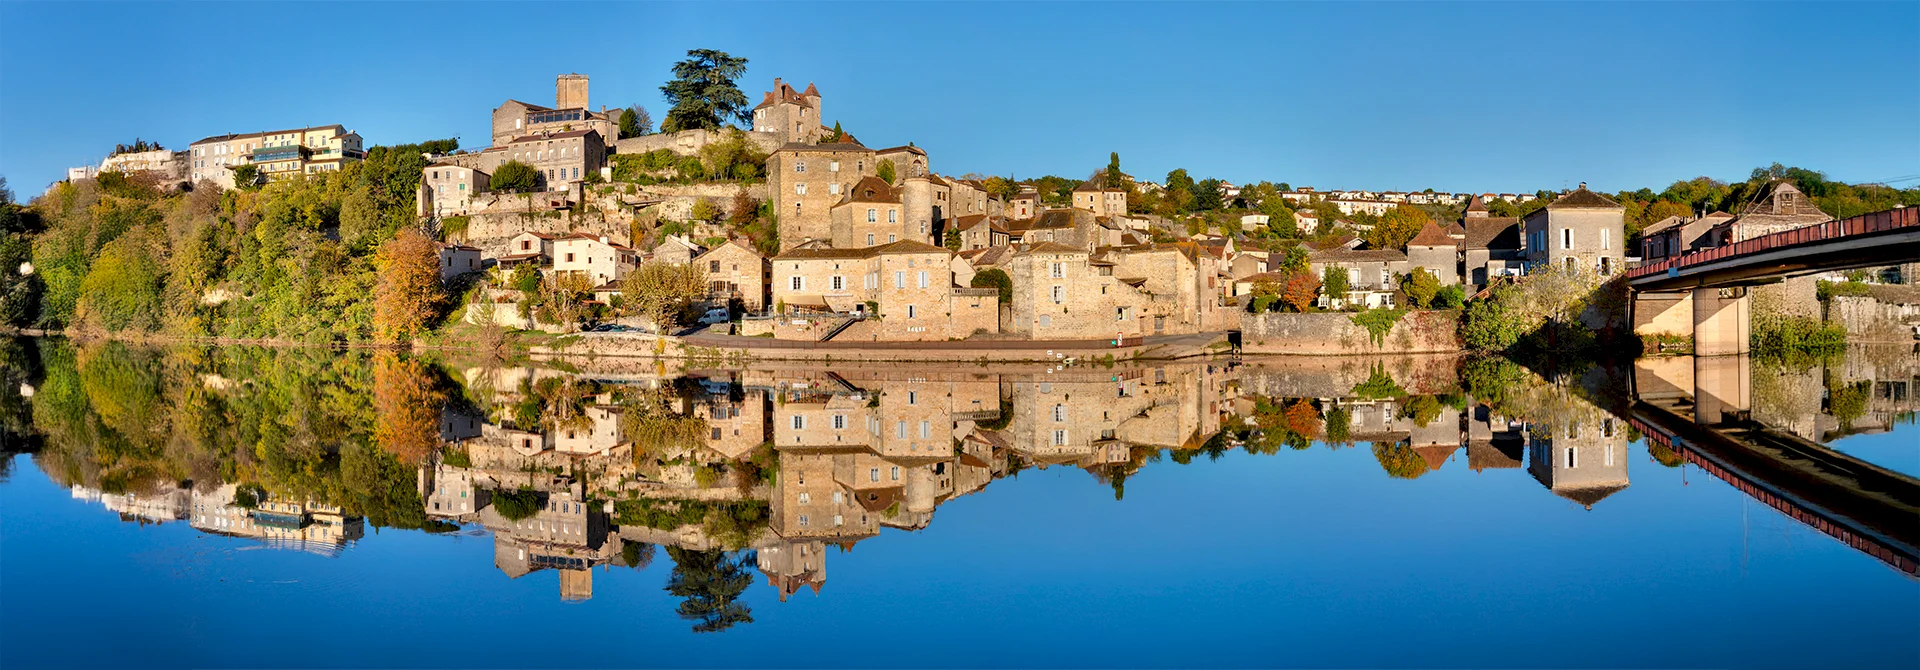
(709, 584)
(1399, 460)
(406, 407)
(636, 555)
(1378, 386)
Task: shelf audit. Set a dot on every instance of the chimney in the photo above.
(603, 240)
(1583, 185)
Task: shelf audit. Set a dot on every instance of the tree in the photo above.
(1419, 287)
(1494, 324)
(1398, 226)
(1295, 261)
(1004, 187)
(406, 406)
(635, 122)
(409, 294)
(246, 176)
(994, 278)
(658, 291)
(885, 170)
(836, 136)
(1333, 282)
(1114, 176)
(951, 239)
(1178, 179)
(703, 93)
(1300, 291)
(514, 176)
(704, 211)
(1206, 195)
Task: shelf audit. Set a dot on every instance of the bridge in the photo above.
(1704, 294)
(1699, 407)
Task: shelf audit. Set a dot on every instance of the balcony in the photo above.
(275, 154)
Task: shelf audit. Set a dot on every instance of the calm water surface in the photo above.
(263, 508)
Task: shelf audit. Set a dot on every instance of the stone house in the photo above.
(1784, 208)
(1580, 231)
(595, 434)
(675, 249)
(514, 118)
(1189, 285)
(980, 231)
(805, 182)
(905, 289)
(1061, 293)
(277, 153)
(734, 271)
(1436, 252)
(458, 259)
(1024, 205)
(908, 161)
(1680, 235)
(1093, 195)
(1072, 227)
(559, 158)
(1491, 249)
(447, 189)
(870, 214)
(528, 247)
(599, 259)
(1371, 274)
(1249, 263)
(969, 197)
(792, 116)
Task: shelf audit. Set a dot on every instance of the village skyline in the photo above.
(1328, 139)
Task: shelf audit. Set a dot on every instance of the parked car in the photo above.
(715, 316)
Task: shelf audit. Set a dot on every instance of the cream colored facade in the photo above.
(277, 153)
(600, 259)
(909, 286)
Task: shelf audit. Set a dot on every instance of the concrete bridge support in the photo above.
(1722, 389)
(1722, 321)
(1663, 313)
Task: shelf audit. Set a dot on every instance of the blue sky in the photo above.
(1460, 97)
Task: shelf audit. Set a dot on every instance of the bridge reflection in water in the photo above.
(1702, 409)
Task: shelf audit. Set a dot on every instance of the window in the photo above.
(1606, 239)
(803, 519)
(713, 266)
(1046, 320)
(799, 189)
(833, 189)
(891, 238)
(926, 430)
(895, 473)
(1059, 413)
(799, 166)
(900, 429)
(923, 279)
(869, 239)
(1060, 438)
(1059, 294)
(1566, 238)
(1573, 458)
(833, 166)
(839, 422)
(873, 215)
(837, 496)
(838, 282)
(911, 312)
(873, 474)
(899, 279)
(1059, 270)
(804, 498)
(569, 257)
(799, 422)
(893, 216)
(797, 283)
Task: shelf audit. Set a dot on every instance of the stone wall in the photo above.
(1868, 319)
(1793, 298)
(1335, 334)
(1335, 377)
(689, 142)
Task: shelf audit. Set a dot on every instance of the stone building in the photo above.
(599, 259)
(513, 118)
(793, 117)
(734, 271)
(1580, 456)
(459, 259)
(908, 161)
(1436, 252)
(1094, 196)
(870, 214)
(1580, 231)
(1371, 273)
(559, 158)
(1680, 235)
(1491, 247)
(168, 165)
(1067, 292)
(927, 202)
(447, 189)
(1023, 205)
(805, 182)
(980, 231)
(675, 250)
(906, 290)
(1071, 227)
(528, 247)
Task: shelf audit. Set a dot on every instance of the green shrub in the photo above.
(1378, 323)
(517, 505)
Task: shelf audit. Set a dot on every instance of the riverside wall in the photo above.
(1335, 334)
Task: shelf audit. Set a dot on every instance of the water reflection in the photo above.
(773, 469)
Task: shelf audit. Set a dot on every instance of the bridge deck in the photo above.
(1879, 238)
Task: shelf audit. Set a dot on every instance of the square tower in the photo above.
(570, 91)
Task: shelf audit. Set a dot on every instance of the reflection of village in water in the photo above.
(572, 472)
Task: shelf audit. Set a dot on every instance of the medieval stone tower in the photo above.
(570, 91)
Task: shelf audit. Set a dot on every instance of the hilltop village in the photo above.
(574, 219)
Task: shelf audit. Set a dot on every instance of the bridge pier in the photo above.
(1663, 314)
(1722, 389)
(1722, 321)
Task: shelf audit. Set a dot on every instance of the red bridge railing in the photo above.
(1831, 230)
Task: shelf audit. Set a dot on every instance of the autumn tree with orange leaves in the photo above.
(1300, 291)
(406, 405)
(409, 294)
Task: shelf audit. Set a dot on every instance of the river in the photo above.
(239, 506)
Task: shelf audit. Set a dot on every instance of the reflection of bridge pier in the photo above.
(1718, 320)
(1701, 407)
